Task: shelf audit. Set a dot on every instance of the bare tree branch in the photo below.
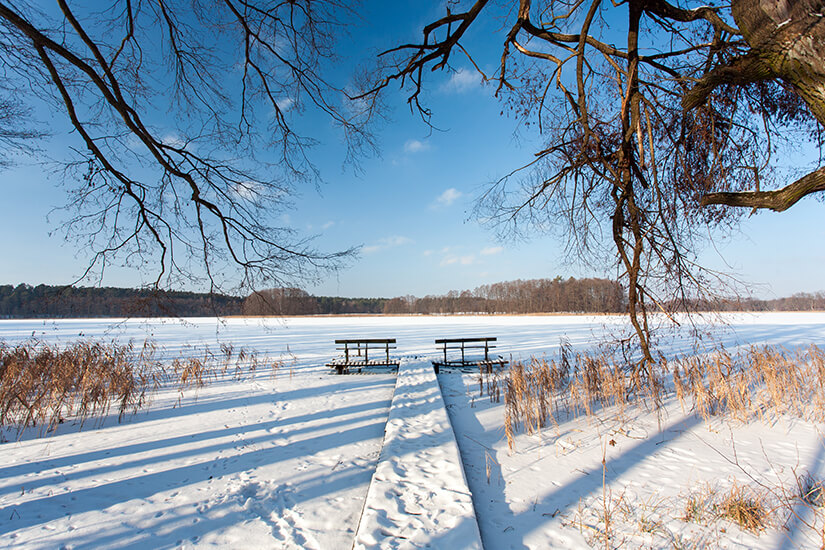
(778, 201)
(192, 190)
(636, 134)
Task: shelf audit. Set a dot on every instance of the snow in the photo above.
(419, 495)
(288, 461)
(549, 493)
(265, 463)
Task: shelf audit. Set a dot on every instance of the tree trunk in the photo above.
(789, 36)
(787, 40)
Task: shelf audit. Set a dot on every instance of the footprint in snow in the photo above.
(275, 509)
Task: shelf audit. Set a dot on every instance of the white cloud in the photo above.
(491, 250)
(359, 109)
(386, 242)
(248, 190)
(173, 140)
(463, 260)
(415, 146)
(178, 142)
(396, 240)
(462, 80)
(327, 225)
(448, 197)
(285, 103)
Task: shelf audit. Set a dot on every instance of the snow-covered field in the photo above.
(286, 461)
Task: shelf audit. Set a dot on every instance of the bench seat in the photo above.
(463, 345)
(357, 354)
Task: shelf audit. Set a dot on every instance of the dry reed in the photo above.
(744, 507)
(43, 384)
(758, 383)
(541, 391)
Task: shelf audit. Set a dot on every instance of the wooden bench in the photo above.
(357, 354)
(464, 344)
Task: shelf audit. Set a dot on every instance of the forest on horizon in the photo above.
(589, 295)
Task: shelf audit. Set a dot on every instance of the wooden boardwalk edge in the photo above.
(419, 492)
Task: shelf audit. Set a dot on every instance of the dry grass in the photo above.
(489, 381)
(756, 384)
(811, 490)
(541, 391)
(744, 507)
(759, 383)
(629, 520)
(43, 384)
(811, 495)
(698, 506)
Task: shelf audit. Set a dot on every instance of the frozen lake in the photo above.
(310, 339)
(286, 462)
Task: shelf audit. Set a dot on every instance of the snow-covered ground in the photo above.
(418, 496)
(286, 461)
(551, 493)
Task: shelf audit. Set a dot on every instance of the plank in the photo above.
(366, 341)
(460, 340)
(418, 496)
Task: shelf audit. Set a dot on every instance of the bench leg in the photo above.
(339, 369)
(435, 367)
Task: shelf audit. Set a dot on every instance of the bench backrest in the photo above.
(367, 341)
(464, 340)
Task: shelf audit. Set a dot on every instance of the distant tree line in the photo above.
(532, 296)
(26, 301)
(801, 301)
(294, 301)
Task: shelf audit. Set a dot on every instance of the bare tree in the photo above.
(646, 122)
(15, 132)
(172, 104)
(786, 44)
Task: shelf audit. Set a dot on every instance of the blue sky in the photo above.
(410, 208)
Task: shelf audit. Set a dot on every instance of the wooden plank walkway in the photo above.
(418, 496)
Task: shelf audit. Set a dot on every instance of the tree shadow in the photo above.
(48, 508)
(197, 523)
(372, 408)
(481, 469)
(803, 513)
(500, 525)
(208, 454)
(194, 403)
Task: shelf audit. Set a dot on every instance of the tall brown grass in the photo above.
(43, 384)
(542, 391)
(745, 507)
(758, 383)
